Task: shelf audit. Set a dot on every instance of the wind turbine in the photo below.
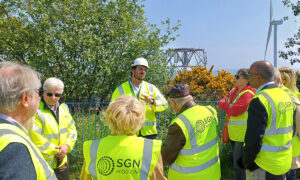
(274, 23)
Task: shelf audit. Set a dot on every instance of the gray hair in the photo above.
(53, 83)
(277, 74)
(15, 80)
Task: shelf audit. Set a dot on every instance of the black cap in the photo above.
(178, 91)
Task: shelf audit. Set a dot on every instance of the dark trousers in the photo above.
(291, 175)
(237, 148)
(63, 172)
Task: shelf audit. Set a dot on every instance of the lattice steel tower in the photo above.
(182, 57)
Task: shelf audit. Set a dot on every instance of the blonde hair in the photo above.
(125, 115)
(288, 73)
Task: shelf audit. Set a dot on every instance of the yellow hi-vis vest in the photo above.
(46, 134)
(237, 125)
(199, 158)
(12, 134)
(275, 155)
(296, 141)
(121, 157)
(149, 126)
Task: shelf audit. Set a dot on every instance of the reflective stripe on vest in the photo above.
(237, 123)
(147, 157)
(41, 160)
(42, 118)
(121, 89)
(194, 169)
(149, 123)
(273, 130)
(93, 154)
(271, 148)
(194, 147)
(146, 160)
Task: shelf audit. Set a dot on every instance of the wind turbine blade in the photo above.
(268, 39)
(270, 28)
(271, 12)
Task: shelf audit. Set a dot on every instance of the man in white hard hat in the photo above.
(146, 93)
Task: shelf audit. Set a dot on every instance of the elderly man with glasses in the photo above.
(54, 130)
(19, 100)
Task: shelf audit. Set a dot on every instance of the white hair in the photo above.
(15, 80)
(53, 83)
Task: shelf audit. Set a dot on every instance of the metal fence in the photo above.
(89, 117)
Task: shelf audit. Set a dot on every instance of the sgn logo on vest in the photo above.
(106, 165)
(203, 123)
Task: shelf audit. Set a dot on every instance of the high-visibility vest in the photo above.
(237, 125)
(296, 141)
(46, 134)
(121, 157)
(149, 126)
(275, 155)
(199, 158)
(12, 134)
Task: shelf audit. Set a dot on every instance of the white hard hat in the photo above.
(140, 61)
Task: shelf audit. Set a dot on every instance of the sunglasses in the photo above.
(51, 94)
(237, 76)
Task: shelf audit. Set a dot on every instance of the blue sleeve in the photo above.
(16, 163)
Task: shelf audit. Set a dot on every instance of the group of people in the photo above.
(37, 130)
(263, 118)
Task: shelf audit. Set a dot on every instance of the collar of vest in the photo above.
(187, 105)
(46, 106)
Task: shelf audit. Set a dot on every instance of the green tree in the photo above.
(292, 45)
(89, 44)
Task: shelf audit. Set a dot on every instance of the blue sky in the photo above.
(232, 32)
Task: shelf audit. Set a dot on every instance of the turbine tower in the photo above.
(274, 23)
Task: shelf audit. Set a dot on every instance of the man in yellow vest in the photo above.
(267, 152)
(191, 146)
(54, 131)
(19, 100)
(146, 93)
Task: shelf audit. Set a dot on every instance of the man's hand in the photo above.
(63, 150)
(146, 98)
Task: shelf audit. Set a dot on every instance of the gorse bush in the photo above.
(204, 85)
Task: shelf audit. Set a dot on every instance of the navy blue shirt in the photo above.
(16, 162)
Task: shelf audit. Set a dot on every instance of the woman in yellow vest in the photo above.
(235, 104)
(288, 79)
(123, 155)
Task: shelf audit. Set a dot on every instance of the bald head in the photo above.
(260, 72)
(265, 69)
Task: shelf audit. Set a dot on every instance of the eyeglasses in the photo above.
(237, 77)
(250, 74)
(51, 94)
